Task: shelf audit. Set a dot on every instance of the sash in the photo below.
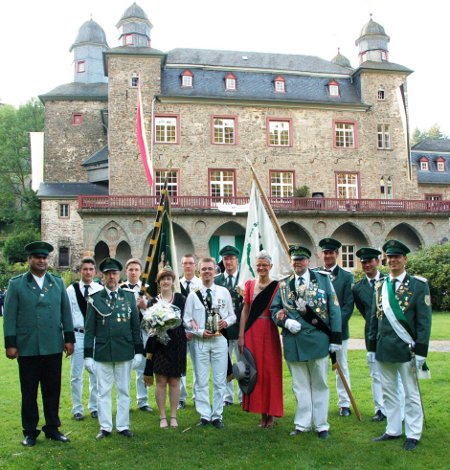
(80, 299)
(260, 303)
(394, 314)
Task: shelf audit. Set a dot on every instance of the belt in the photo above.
(79, 330)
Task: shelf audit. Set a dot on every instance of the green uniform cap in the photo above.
(395, 247)
(368, 253)
(38, 248)
(229, 251)
(330, 244)
(110, 264)
(299, 252)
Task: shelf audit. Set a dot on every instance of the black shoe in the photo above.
(181, 405)
(146, 408)
(78, 417)
(29, 441)
(323, 434)
(218, 424)
(344, 411)
(410, 444)
(379, 416)
(385, 437)
(227, 403)
(126, 433)
(102, 434)
(296, 431)
(94, 414)
(57, 436)
(203, 422)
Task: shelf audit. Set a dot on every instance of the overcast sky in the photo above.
(36, 35)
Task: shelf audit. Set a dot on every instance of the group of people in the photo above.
(101, 327)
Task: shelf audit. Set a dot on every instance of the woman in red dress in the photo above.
(260, 335)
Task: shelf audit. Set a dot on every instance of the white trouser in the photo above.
(210, 352)
(109, 373)
(76, 378)
(229, 391)
(392, 399)
(141, 389)
(183, 389)
(309, 384)
(377, 391)
(342, 358)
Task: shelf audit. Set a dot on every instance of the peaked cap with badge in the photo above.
(367, 253)
(395, 247)
(38, 248)
(330, 244)
(299, 252)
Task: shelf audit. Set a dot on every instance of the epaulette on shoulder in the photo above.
(420, 278)
(127, 289)
(325, 273)
(196, 290)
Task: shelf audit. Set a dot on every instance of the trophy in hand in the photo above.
(212, 322)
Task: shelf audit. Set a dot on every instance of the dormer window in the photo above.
(81, 66)
(384, 55)
(134, 79)
(280, 84)
(424, 164)
(333, 88)
(230, 82)
(440, 164)
(128, 40)
(380, 94)
(187, 79)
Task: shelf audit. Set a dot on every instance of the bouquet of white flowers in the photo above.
(159, 318)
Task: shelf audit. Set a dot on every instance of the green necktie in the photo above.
(188, 288)
(209, 298)
(230, 282)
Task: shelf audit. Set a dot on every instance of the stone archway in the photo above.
(352, 238)
(230, 233)
(101, 251)
(123, 252)
(407, 235)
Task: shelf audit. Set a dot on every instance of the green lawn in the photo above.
(440, 328)
(241, 444)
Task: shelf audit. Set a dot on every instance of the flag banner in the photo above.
(162, 250)
(141, 138)
(260, 235)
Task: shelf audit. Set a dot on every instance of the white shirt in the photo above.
(77, 316)
(401, 278)
(233, 277)
(377, 276)
(195, 283)
(195, 310)
(306, 278)
(39, 280)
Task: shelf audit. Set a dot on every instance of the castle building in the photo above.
(329, 144)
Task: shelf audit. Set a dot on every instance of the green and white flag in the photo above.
(260, 235)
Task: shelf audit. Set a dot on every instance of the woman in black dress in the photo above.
(167, 362)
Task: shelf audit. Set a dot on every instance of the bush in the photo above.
(301, 191)
(433, 262)
(7, 271)
(14, 247)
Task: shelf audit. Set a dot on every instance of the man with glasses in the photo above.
(210, 349)
(38, 328)
(189, 282)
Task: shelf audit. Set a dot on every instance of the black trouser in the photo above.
(44, 370)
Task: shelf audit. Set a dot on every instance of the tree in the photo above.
(18, 202)
(13, 249)
(434, 132)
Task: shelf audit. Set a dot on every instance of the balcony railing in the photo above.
(293, 203)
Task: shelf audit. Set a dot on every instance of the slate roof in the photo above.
(100, 156)
(432, 176)
(433, 145)
(78, 91)
(383, 66)
(70, 190)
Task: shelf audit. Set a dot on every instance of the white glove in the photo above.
(420, 361)
(293, 326)
(137, 361)
(370, 357)
(89, 365)
(334, 348)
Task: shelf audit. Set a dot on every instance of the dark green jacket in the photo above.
(364, 295)
(414, 299)
(309, 342)
(238, 304)
(342, 282)
(116, 336)
(37, 322)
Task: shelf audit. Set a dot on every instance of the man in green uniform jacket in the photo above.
(305, 345)
(112, 324)
(342, 282)
(399, 335)
(38, 328)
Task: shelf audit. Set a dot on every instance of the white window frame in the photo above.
(424, 166)
(277, 133)
(172, 183)
(383, 136)
(440, 166)
(348, 257)
(347, 185)
(333, 90)
(64, 210)
(81, 66)
(134, 80)
(223, 129)
(222, 186)
(281, 184)
(166, 130)
(230, 83)
(186, 81)
(344, 134)
(280, 86)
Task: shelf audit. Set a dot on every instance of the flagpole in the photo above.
(270, 212)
